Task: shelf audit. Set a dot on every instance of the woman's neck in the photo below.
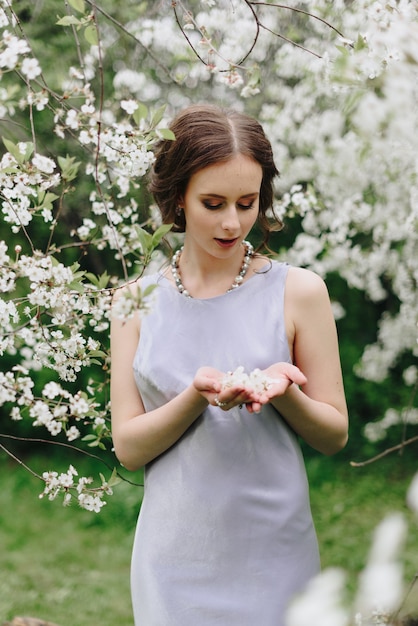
(200, 277)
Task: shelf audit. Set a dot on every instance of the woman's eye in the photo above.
(212, 206)
(246, 206)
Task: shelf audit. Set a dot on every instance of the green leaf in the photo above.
(157, 116)
(165, 133)
(114, 479)
(16, 153)
(69, 167)
(160, 233)
(145, 240)
(45, 199)
(78, 5)
(361, 43)
(90, 33)
(100, 282)
(29, 151)
(141, 113)
(89, 438)
(254, 75)
(148, 291)
(69, 20)
(99, 353)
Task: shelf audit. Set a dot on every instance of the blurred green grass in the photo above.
(71, 567)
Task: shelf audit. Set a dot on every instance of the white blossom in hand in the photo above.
(255, 381)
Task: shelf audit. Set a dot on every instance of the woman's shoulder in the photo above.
(305, 286)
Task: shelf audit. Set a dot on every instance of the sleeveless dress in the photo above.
(225, 534)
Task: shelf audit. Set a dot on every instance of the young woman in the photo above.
(225, 534)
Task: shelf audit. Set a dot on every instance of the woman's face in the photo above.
(221, 204)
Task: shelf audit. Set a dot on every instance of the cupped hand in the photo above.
(207, 382)
(281, 376)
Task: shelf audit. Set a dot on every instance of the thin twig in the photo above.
(123, 28)
(257, 34)
(307, 13)
(15, 458)
(400, 446)
(174, 4)
(63, 445)
(297, 45)
(259, 26)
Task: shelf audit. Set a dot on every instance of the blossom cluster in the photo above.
(55, 408)
(88, 498)
(341, 131)
(378, 430)
(24, 183)
(255, 381)
(122, 146)
(380, 585)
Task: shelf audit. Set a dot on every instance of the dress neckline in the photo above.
(263, 270)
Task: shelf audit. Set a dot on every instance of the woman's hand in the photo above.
(208, 382)
(280, 377)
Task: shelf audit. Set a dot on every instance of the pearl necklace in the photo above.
(249, 251)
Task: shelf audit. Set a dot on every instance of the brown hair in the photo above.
(205, 135)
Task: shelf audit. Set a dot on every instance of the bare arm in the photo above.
(140, 436)
(317, 411)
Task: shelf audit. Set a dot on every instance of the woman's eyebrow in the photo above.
(217, 195)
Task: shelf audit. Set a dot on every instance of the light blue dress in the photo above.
(225, 533)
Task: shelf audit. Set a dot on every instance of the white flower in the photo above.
(381, 581)
(90, 503)
(4, 20)
(44, 164)
(249, 91)
(410, 375)
(54, 427)
(72, 119)
(321, 603)
(66, 480)
(256, 380)
(73, 433)
(389, 537)
(31, 68)
(130, 106)
(15, 414)
(75, 73)
(79, 407)
(124, 306)
(88, 109)
(47, 215)
(51, 390)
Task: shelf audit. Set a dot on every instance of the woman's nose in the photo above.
(230, 219)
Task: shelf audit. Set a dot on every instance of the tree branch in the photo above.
(62, 445)
(400, 446)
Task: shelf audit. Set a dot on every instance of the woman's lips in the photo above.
(226, 243)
